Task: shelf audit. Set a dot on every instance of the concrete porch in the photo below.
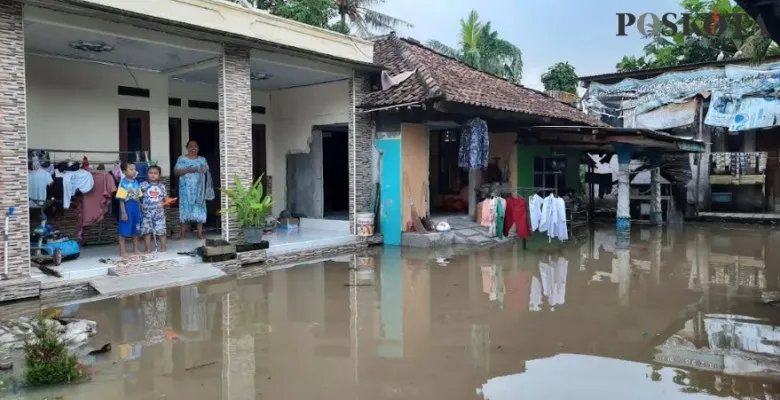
(99, 272)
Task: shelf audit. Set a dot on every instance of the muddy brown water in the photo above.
(678, 316)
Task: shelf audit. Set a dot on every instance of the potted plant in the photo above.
(251, 206)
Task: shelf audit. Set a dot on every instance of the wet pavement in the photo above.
(677, 316)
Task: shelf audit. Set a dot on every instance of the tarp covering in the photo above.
(744, 97)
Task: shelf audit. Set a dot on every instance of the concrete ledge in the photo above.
(18, 289)
(294, 257)
(430, 239)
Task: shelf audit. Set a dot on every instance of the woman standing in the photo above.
(191, 170)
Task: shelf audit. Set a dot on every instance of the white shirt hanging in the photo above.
(558, 228)
(535, 206)
(546, 214)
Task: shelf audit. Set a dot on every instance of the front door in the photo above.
(206, 133)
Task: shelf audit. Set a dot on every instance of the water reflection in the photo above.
(678, 314)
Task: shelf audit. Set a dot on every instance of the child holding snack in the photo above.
(129, 195)
(153, 221)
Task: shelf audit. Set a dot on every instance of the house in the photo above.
(535, 141)
(418, 121)
(721, 103)
(114, 80)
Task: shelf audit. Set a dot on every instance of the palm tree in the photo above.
(482, 48)
(366, 21)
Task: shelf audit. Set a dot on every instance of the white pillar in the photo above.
(656, 212)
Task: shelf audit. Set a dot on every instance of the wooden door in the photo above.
(134, 135)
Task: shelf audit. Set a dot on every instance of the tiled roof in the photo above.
(440, 77)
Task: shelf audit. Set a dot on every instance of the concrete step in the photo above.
(178, 276)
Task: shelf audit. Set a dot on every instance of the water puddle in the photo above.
(679, 315)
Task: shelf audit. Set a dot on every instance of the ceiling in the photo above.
(149, 50)
(52, 39)
(280, 76)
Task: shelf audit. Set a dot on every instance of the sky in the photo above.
(582, 32)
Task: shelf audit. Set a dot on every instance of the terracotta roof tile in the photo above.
(440, 77)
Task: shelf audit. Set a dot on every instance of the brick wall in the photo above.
(13, 137)
(235, 126)
(360, 148)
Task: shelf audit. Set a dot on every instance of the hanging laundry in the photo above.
(535, 206)
(38, 182)
(92, 206)
(491, 216)
(546, 214)
(142, 171)
(500, 207)
(558, 228)
(517, 215)
(80, 180)
(485, 213)
(762, 158)
(474, 145)
(553, 219)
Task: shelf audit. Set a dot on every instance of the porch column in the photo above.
(624, 153)
(361, 144)
(235, 127)
(656, 213)
(13, 142)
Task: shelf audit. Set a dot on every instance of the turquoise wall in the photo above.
(390, 214)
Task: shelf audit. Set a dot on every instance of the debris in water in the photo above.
(105, 349)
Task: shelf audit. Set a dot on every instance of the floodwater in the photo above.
(679, 316)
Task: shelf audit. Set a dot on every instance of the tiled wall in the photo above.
(361, 146)
(235, 126)
(13, 136)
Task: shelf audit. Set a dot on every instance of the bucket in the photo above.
(365, 224)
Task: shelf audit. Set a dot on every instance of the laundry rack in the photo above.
(59, 155)
(577, 218)
(107, 158)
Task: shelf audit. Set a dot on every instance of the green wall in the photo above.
(525, 165)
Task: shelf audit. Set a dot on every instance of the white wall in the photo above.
(74, 105)
(293, 114)
(204, 92)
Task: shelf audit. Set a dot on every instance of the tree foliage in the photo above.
(666, 50)
(481, 47)
(361, 17)
(561, 76)
(343, 16)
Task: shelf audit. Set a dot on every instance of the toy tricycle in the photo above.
(49, 245)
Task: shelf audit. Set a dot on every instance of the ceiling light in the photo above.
(90, 46)
(259, 76)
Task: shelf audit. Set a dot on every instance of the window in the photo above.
(550, 172)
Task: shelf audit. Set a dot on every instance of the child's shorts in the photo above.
(153, 222)
(131, 227)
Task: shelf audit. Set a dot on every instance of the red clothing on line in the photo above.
(91, 207)
(517, 215)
